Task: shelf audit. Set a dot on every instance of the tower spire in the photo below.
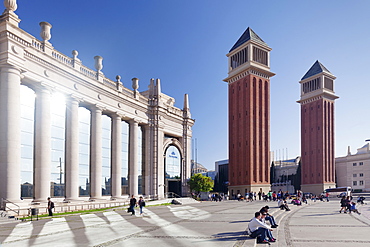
(186, 108)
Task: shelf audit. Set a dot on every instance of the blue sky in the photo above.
(184, 43)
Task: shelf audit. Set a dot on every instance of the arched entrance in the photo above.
(173, 170)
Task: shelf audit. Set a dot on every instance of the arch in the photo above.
(173, 165)
(173, 142)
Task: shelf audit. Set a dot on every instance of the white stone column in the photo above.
(186, 163)
(42, 146)
(148, 183)
(72, 150)
(96, 153)
(116, 156)
(10, 134)
(133, 157)
(160, 169)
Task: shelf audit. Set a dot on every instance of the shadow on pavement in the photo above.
(78, 229)
(231, 236)
(37, 227)
(6, 230)
(240, 221)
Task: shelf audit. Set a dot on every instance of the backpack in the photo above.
(52, 205)
(142, 204)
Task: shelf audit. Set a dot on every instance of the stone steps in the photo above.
(279, 215)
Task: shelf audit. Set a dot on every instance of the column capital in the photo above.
(97, 107)
(74, 97)
(10, 67)
(133, 121)
(43, 87)
(118, 115)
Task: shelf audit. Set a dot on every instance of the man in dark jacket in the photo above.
(132, 205)
(50, 207)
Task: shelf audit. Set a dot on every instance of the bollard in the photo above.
(35, 211)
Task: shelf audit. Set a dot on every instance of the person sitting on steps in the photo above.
(269, 217)
(283, 205)
(260, 230)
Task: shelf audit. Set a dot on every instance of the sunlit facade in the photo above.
(68, 131)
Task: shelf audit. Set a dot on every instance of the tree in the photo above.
(200, 183)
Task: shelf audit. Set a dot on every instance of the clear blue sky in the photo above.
(184, 43)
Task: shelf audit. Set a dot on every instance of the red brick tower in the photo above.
(249, 114)
(317, 129)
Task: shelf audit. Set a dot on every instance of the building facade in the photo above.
(353, 170)
(197, 168)
(68, 131)
(317, 129)
(284, 175)
(222, 176)
(249, 114)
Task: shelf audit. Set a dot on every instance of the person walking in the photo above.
(348, 205)
(132, 205)
(343, 204)
(141, 204)
(50, 206)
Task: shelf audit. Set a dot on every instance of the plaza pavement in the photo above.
(197, 224)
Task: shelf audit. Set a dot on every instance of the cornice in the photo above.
(249, 71)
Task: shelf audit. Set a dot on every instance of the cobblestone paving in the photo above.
(201, 224)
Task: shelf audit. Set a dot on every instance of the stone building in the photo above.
(67, 130)
(249, 114)
(353, 170)
(317, 129)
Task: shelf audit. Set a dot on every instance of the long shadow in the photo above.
(149, 228)
(231, 236)
(78, 229)
(313, 215)
(240, 221)
(108, 222)
(6, 229)
(37, 227)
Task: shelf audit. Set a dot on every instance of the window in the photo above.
(354, 183)
(361, 182)
(354, 175)
(361, 174)
(260, 56)
(328, 83)
(354, 164)
(361, 163)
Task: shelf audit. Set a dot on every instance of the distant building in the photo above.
(197, 168)
(211, 174)
(353, 170)
(284, 175)
(222, 176)
(317, 129)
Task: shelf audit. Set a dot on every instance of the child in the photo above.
(354, 208)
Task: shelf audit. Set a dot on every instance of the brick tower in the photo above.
(317, 129)
(249, 114)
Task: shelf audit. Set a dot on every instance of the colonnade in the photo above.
(10, 145)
